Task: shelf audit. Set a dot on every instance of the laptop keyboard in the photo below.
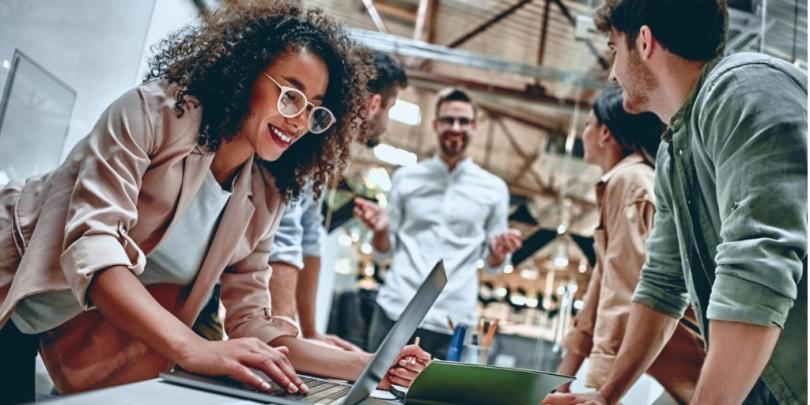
(321, 392)
(324, 392)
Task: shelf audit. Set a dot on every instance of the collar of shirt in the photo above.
(683, 114)
(440, 165)
(631, 159)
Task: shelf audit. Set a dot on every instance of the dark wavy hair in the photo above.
(218, 61)
(633, 132)
(692, 29)
(390, 76)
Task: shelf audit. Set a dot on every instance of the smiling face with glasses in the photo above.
(292, 102)
(284, 105)
(454, 125)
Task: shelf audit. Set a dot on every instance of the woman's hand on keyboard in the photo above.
(235, 357)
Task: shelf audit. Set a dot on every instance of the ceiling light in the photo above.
(378, 178)
(394, 156)
(405, 112)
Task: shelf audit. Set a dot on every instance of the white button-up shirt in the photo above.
(439, 214)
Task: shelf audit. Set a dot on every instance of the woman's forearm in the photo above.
(569, 366)
(647, 332)
(124, 300)
(325, 361)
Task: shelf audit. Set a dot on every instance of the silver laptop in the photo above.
(324, 391)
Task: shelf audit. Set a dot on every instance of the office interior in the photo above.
(533, 67)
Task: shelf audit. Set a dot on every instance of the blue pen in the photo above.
(457, 343)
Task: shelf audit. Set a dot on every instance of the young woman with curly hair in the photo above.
(107, 260)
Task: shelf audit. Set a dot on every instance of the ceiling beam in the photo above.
(530, 93)
(528, 160)
(541, 48)
(525, 119)
(421, 18)
(375, 16)
(487, 24)
(488, 151)
(390, 10)
(476, 60)
(430, 22)
(573, 21)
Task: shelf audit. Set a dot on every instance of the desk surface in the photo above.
(158, 392)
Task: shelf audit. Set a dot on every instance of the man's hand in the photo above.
(503, 244)
(411, 361)
(590, 398)
(334, 341)
(371, 214)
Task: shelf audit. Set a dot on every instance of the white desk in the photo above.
(158, 392)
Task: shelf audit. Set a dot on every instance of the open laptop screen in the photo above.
(399, 334)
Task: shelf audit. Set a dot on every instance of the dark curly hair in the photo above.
(218, 61)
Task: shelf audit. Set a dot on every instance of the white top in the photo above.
(176, 260)
(436, 214)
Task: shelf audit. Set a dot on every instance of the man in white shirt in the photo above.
(445, 208)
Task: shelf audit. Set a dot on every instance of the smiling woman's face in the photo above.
(267, 131)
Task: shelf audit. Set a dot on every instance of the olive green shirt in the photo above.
(730, 235)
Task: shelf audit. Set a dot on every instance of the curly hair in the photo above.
(218, 61)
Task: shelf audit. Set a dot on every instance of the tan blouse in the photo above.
(626, 206)
(120, 191)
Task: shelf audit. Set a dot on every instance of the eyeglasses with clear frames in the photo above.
(292, 102)
(449, 121)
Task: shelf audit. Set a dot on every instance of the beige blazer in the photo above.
(119, 192)
(626, 204)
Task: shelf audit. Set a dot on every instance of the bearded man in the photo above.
(445, 208)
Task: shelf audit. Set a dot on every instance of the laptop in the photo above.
(324, 391)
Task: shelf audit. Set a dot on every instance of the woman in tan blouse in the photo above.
(236, 114)
(624, 146)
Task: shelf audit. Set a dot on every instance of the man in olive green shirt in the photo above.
(730, 233)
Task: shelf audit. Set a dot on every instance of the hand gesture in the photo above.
(235, 357)
(590, 398)
(411, 361)
(371, 214)
(505, 243)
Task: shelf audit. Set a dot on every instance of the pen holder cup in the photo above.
(476, 354)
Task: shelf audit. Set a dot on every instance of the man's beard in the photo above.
(452, 146)
(640, 83)
(372, 131)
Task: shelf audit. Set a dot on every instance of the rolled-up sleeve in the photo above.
(288, 237)
(662, 285)
(312, 225)
(103, 201)
(756, 125)
(247, 299)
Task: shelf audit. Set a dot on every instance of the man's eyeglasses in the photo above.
(292, 102)
(449, 121)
